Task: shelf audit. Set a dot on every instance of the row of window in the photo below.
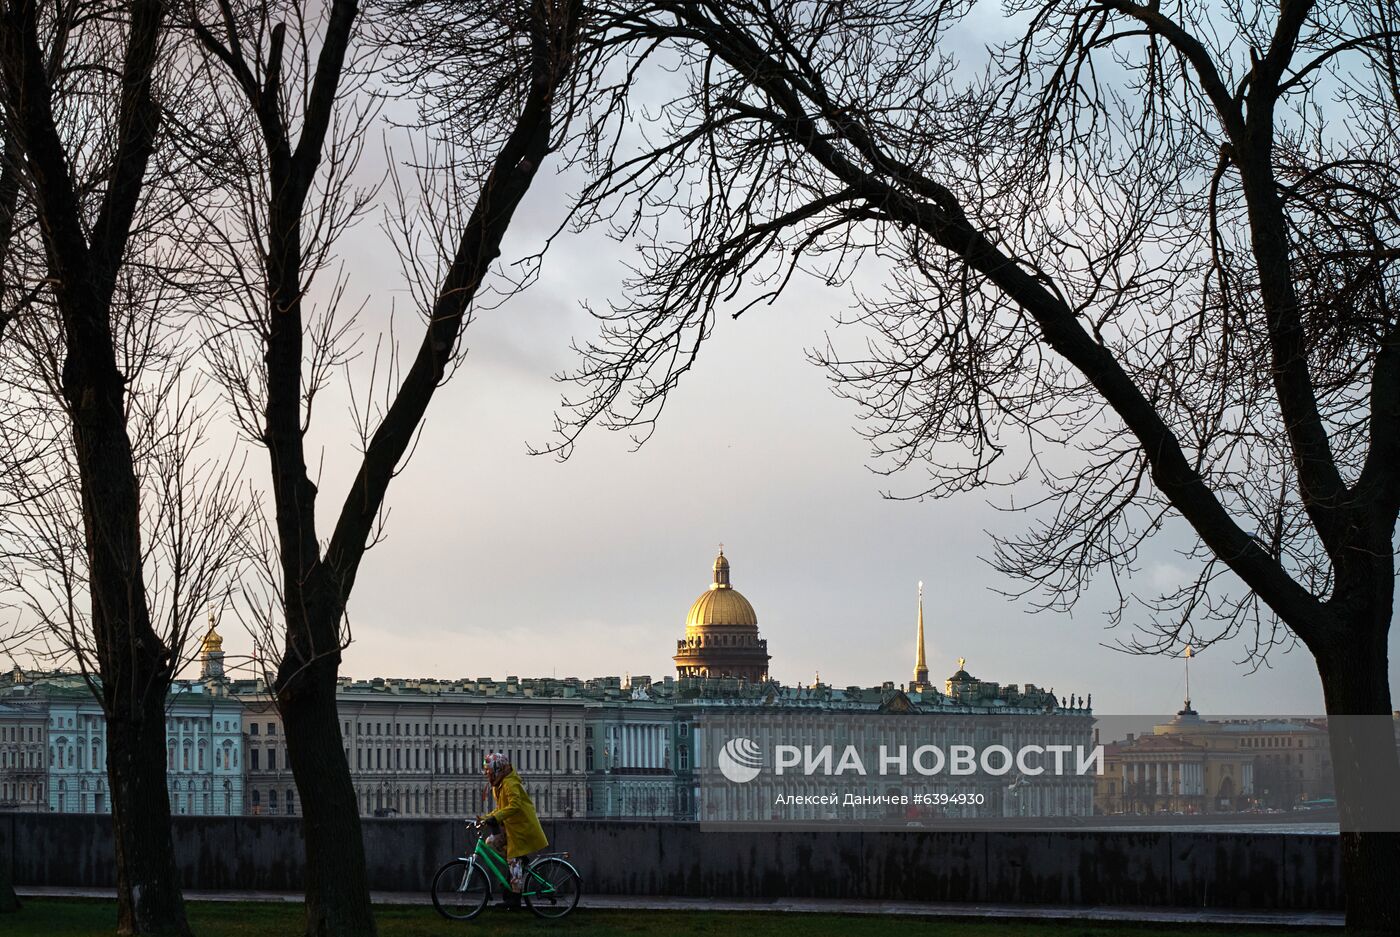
(256, 800)
(457, 761)
(185, 724)
(65, 755)
(200, 725)
(1275, 742)
(489, 729)
(24, 793)
(225, 757)
(25, 759)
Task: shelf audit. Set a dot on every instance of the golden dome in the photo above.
(721, 607)
(212, 641)
(721, 604)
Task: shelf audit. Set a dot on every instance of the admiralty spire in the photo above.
(920, 664)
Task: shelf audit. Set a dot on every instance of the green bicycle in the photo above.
(462, 887)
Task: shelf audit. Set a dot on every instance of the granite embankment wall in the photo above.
(1225, 870)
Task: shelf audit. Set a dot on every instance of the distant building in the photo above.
(1292, 759)
(415, 747)
(1176, 772)
(629, 745)
(977, 713)
(23, 750)
(1196, 766)
(722, 691)
(203, 740)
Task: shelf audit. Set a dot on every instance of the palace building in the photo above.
(53, 747)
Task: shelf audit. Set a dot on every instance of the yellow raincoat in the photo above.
(516, 812)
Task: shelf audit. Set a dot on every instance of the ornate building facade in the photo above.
(1175, 772)
(204, 773)
(629, 752)
(23, 755)
(1193, 765)
(415, 747)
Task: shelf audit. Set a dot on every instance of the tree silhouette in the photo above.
(1143, 254)
(298, 113)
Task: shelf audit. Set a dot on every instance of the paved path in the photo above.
(815, 905)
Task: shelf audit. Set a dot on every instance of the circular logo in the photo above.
(740, 760)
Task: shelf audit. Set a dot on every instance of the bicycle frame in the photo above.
(498, 868)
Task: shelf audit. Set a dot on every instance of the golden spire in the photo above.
(920, 664)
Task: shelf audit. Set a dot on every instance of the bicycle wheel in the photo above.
(460, 890)
(552, 887)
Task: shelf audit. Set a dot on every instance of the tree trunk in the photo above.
(8, 900)
(1355, 684)
(149, 900)
(337, 887)
(135, 664)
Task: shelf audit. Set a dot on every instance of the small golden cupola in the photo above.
(721, 633)
(211, 653)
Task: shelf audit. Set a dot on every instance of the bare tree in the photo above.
(119, 529)
(301, 96)
(195, 511)
(1143, 254)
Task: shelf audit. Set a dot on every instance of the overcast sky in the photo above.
(499, 563)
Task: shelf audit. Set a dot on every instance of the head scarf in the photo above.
(497, 763)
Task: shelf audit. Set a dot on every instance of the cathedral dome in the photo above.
(721, 634)
(721, 607)
(721, 604)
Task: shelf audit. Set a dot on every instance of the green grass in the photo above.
(75, 917)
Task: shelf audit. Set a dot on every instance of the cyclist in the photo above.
(515, 830)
